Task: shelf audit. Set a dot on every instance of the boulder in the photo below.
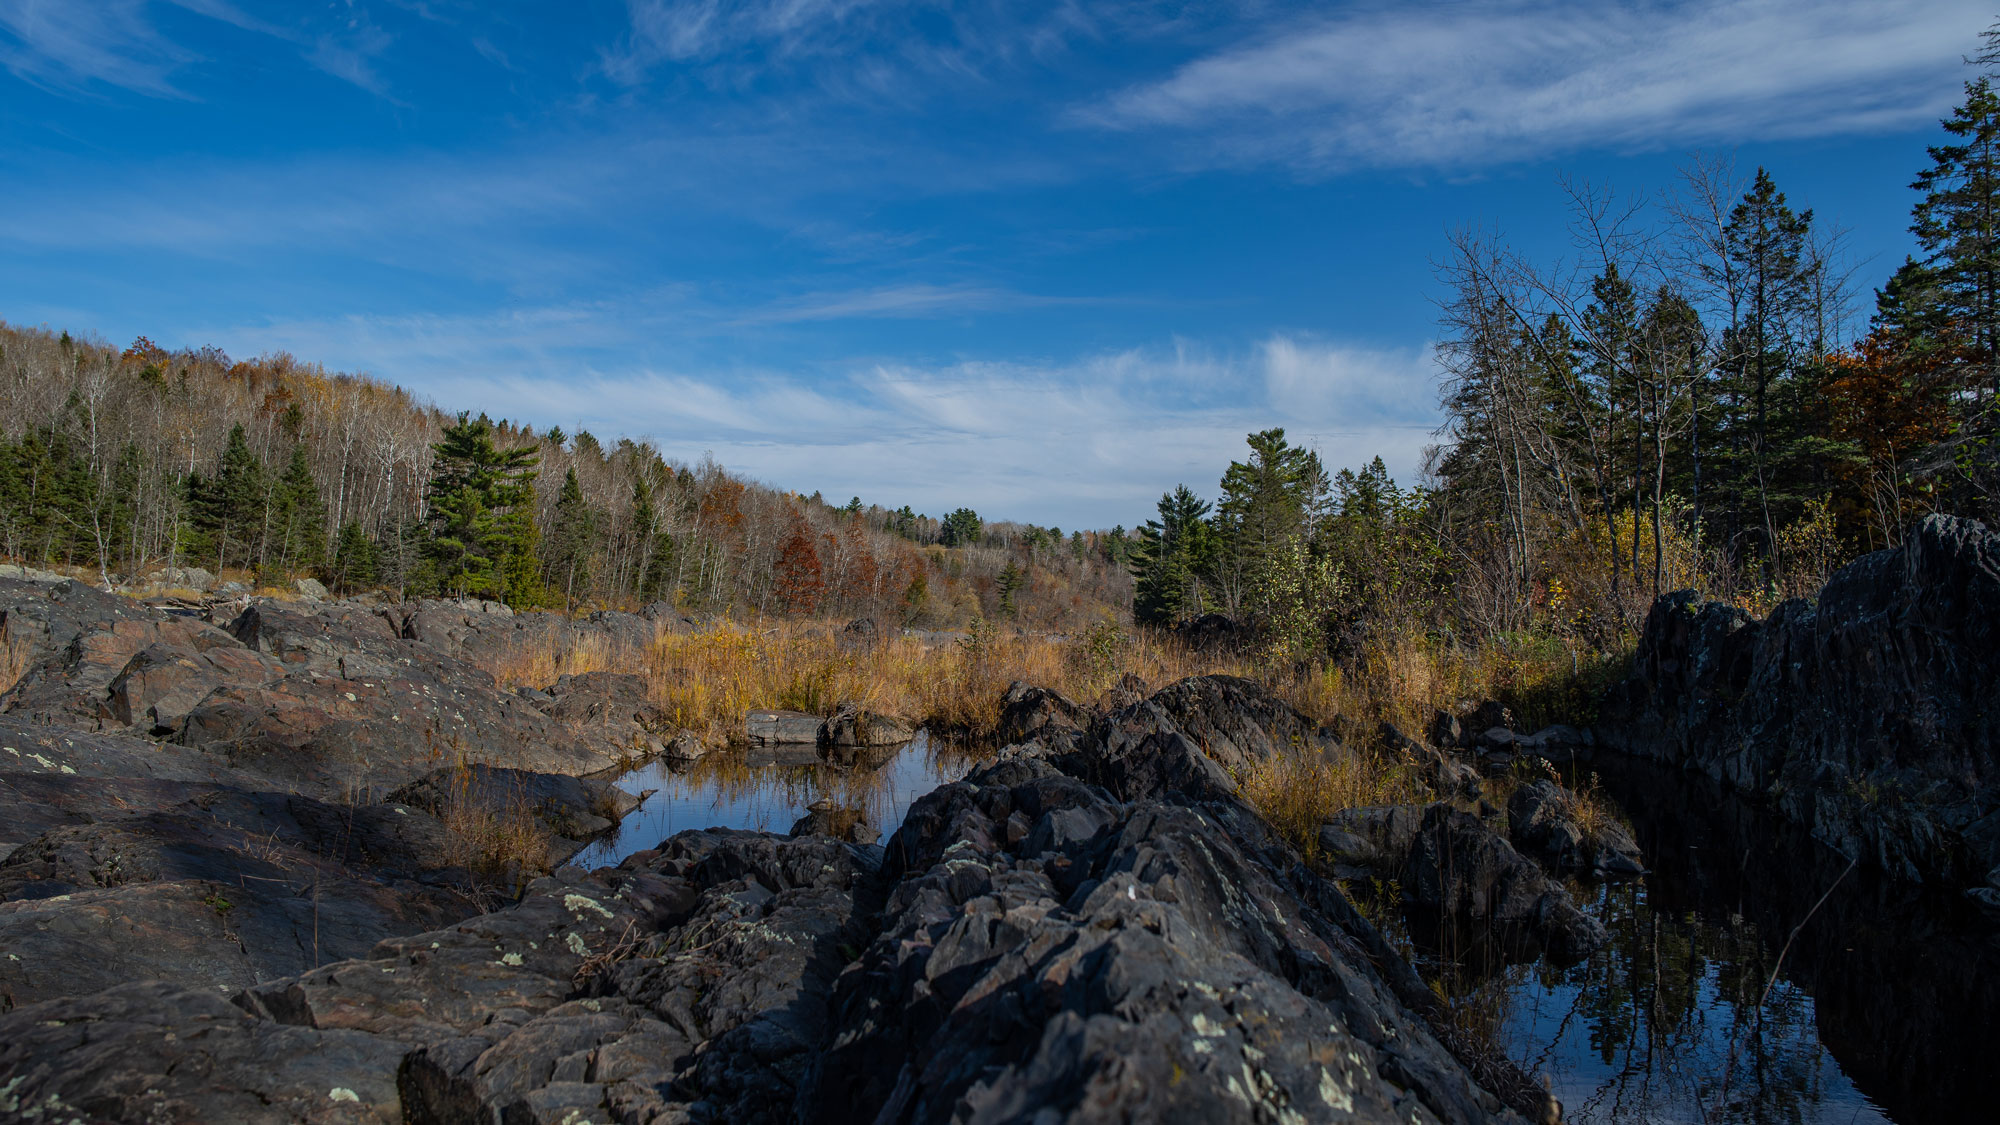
(782, 728)
(1375, 838)
(1543, 822)
(310, 589)
(1237, 722)
(1129, 689)
(1470, 877)
(852, 726)
(826, 817)
(1865, 716)
(1027, 712)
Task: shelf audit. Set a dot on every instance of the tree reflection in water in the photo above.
(1880, 1011)
(766, 790)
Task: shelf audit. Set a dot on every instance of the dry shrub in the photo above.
(1296, 793)
(502, 841)
(557, 655)
(708, 680)
(15, 656)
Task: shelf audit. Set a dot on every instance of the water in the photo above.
(1880, 1011)
(767, 790)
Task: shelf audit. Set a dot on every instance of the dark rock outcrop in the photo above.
(1872, 717)
(1092, 928)
(1469, 877)
(1236, 721)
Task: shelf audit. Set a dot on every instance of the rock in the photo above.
(572, 809)
(684, 746)
(852, 726)
(1442, 772)
(1129, 689)
(1237, 722)
(231, 590)
(826, 818)
(1542, 822)
(1487, 716)
(1214, 632)
(1027, 712)
(1469, 876)
(861, 633)
(154, 1051)
(1446, 731)
(191, 577)
(1559, 743)
(310, 589)
(777, 728)
(30, 574)
(1865, 717)
(1376, 838)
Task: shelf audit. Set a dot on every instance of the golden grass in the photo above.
(1296, 793)
(708, 679)
(16, 654)
(503, 841)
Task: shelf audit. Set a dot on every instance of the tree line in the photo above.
(136, 461)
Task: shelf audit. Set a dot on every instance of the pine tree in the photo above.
(226, 511)
(1957, 222)
(1009, 586)
(354, 559)
(1267, 502)
(961, 529)
(1169, 560)
(567, 549)
(299, 517)
(482, 516)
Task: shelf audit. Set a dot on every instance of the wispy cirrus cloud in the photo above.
(1469, 84)
(61, 44)
(72, 44)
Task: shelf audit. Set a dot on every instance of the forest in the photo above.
(127, 462)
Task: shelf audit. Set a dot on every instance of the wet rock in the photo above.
(1543, 821)
(1865, 717)
(1470, 876)
(684, 746)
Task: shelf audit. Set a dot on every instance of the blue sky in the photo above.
(1044, 259)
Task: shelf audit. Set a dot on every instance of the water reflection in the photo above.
(768, 789)
(1880, 1011)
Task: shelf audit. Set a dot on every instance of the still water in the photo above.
(1881, 1009)
(767, 790)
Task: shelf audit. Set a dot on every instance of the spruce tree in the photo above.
(567, 549)
(299, 518)
(1957, 222)
(1170, 559)
(482, 516)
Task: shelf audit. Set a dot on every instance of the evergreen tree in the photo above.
(567, 549)
(482, 516)
(226, 511)
(1169, 559)
(1009, 586)
(354, 559)
(299, 518)
(1957, 222)
(961, 529)
(1267, 502)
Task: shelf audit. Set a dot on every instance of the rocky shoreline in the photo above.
(1870, 717)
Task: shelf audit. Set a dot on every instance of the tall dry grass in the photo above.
(708, 679)
(15, 656)
(1297, 792)
(496, 836)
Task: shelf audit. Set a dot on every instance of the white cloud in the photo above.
(1087, 441)
(1460, 85)
(66, 44)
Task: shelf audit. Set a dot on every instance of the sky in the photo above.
(1043, 260)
